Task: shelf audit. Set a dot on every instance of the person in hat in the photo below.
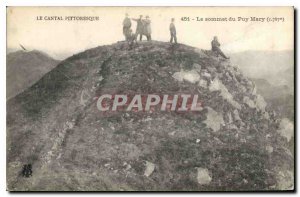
(139, 26)
(173, 31)
(215, 47)
(147, 28)
(126, 26)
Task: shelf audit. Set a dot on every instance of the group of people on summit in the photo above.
(143, 28)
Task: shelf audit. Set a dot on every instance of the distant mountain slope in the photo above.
(24, 68)
(273, 73)
(277, 67)
(280, 98)
(11, 50)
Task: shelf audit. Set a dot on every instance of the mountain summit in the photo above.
(234, 143)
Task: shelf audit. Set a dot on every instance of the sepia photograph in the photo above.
(150, 99)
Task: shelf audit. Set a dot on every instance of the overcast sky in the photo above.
(63, 38)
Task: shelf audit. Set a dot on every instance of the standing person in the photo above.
(147, 23)
(215, 47)
(139, 27)
(126, 26)
(173, 31)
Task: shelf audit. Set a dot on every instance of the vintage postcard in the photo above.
(150, 99)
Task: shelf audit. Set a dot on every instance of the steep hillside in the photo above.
(24, 69)
(234, 143)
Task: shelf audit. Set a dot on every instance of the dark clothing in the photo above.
(215, 47)
(141, 36)
(173, 33)
(143, 28)
(219, 52)
(147, 27)
(148, 37)
(126, 32)
(127, 22)
(139, 28)
(172, 28)
(131, 40)
(173, 37)
(126, 27)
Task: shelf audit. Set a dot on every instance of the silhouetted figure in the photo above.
(27, 170)
(215, 47)
(126, 26)
(139, 27)
(147, 27)
(173, 31)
